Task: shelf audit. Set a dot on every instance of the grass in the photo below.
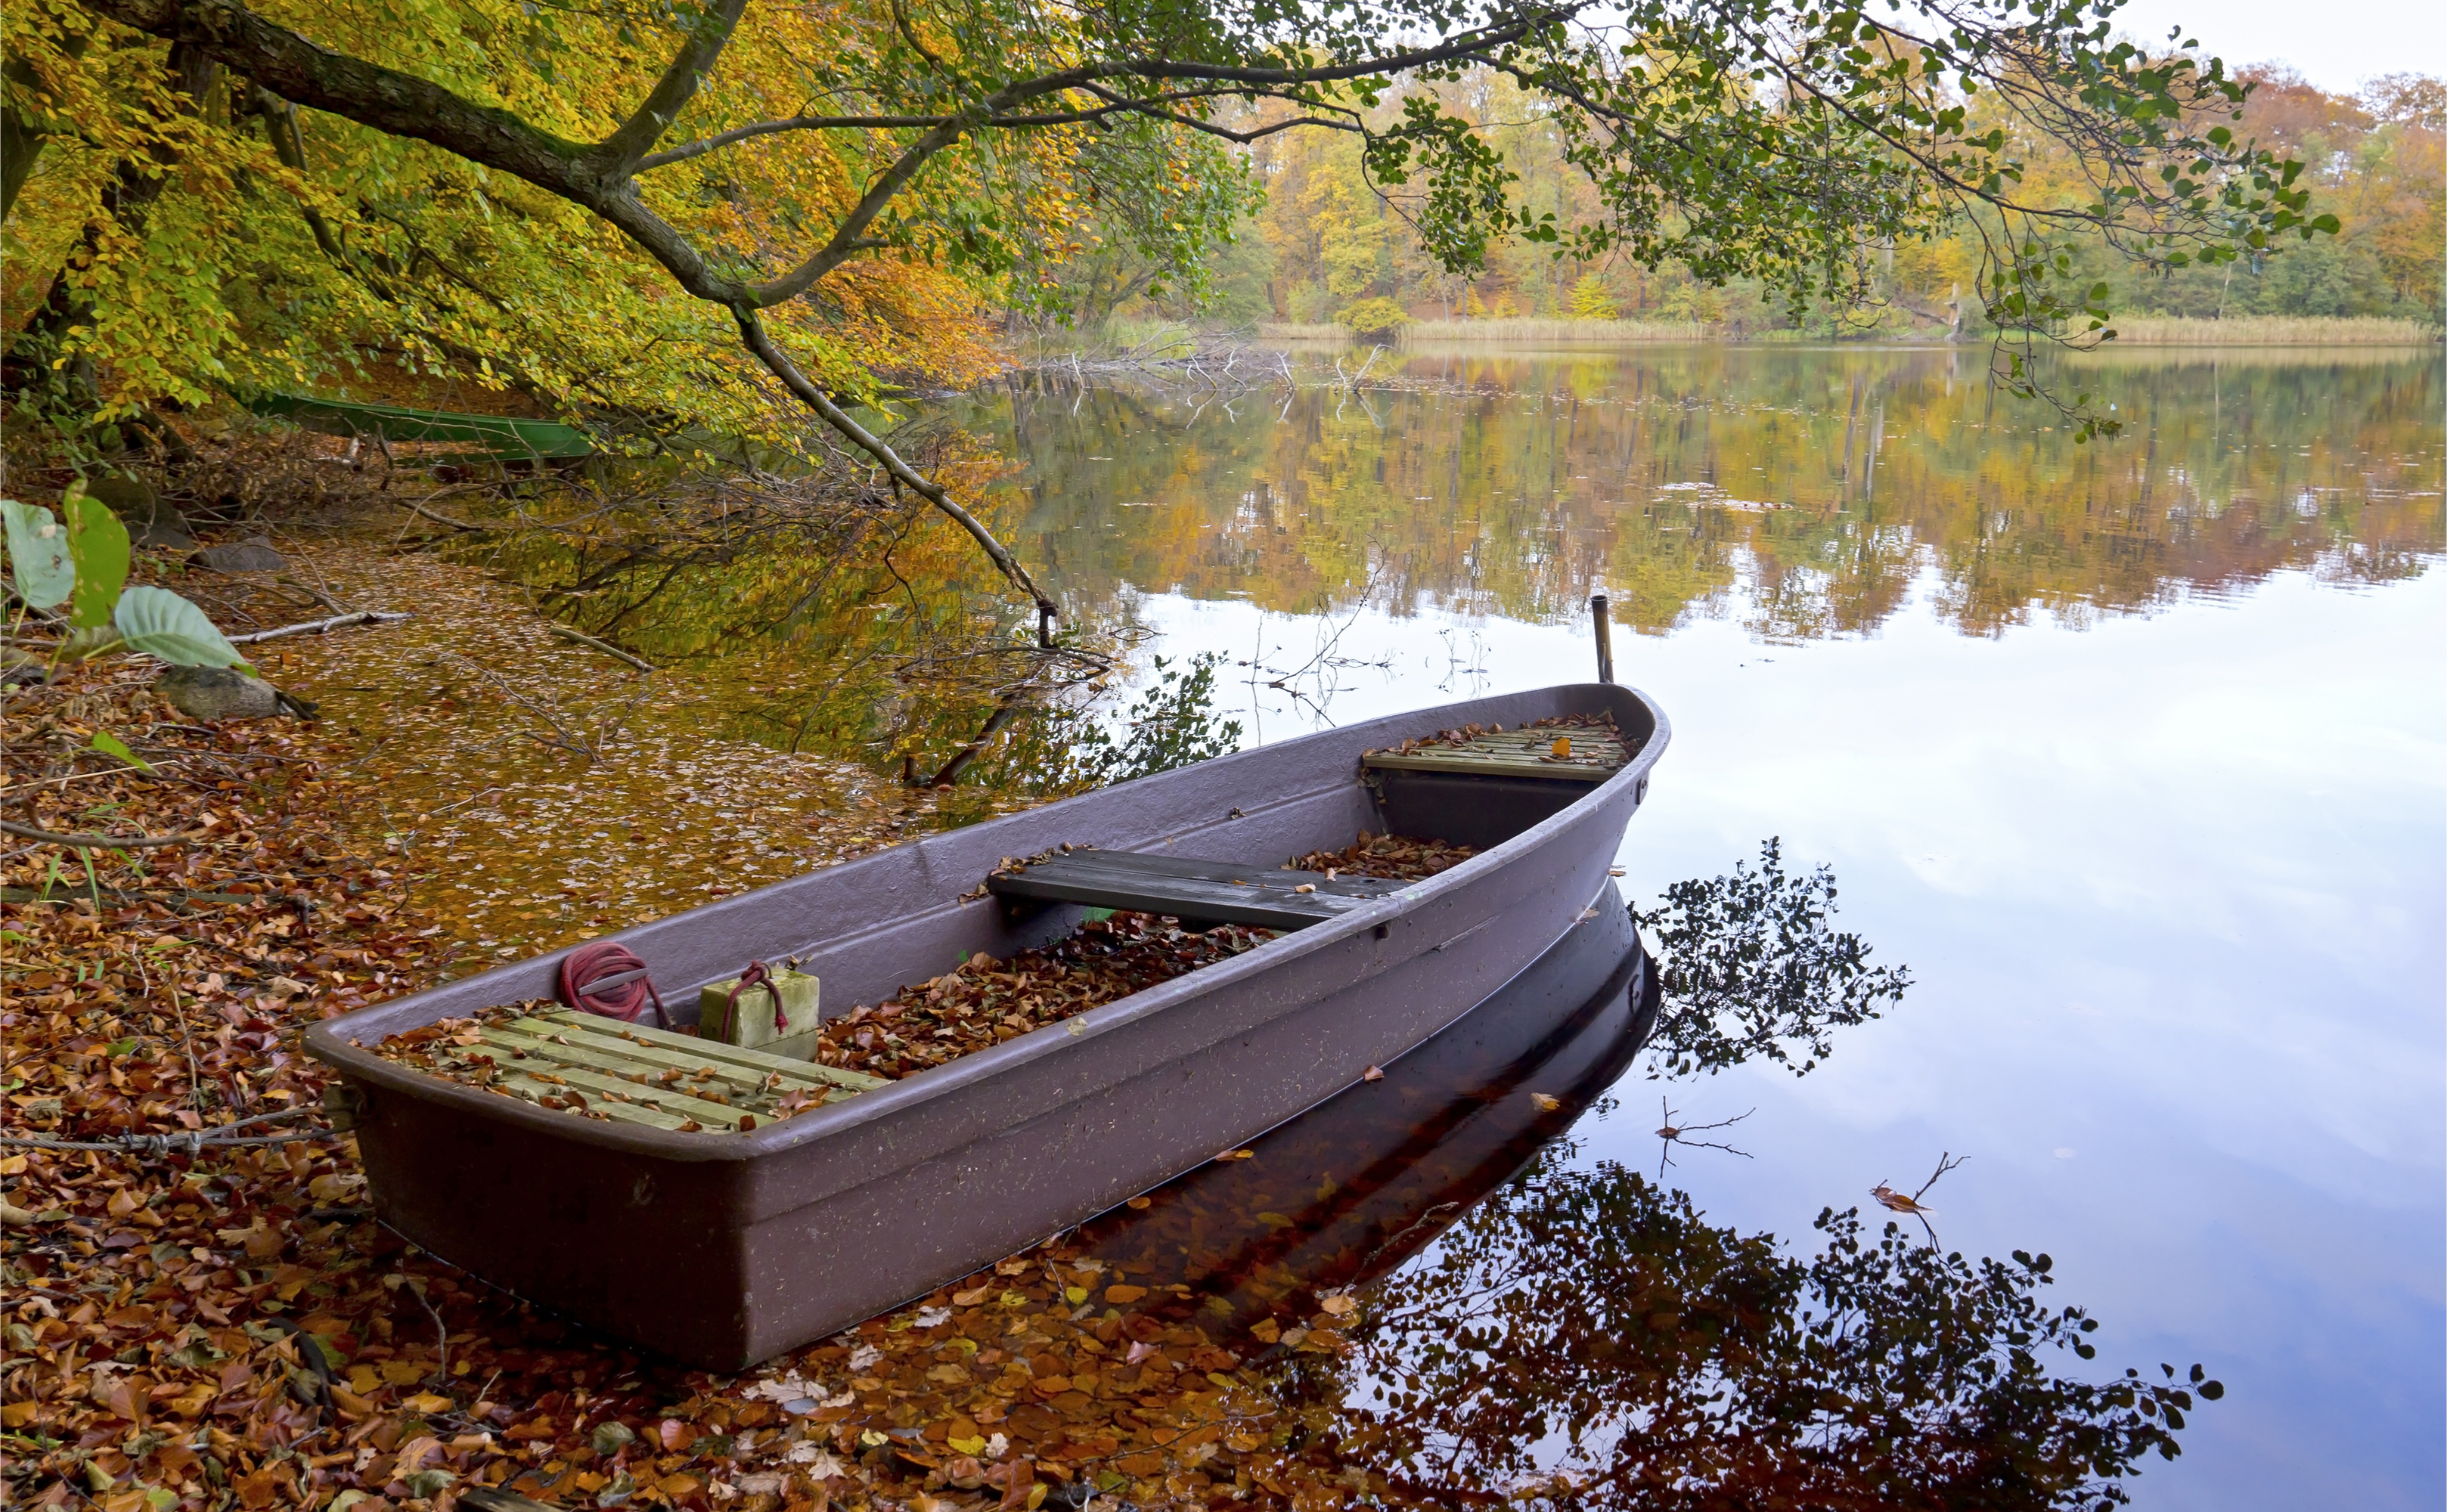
(2270, 330)
(1297, 330)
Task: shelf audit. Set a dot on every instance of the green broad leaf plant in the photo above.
(83, 563)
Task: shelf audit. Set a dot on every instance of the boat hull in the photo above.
(724, 1249)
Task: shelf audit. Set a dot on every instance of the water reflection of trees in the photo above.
(1507, 485)
(844, 617)
(1587, 1338)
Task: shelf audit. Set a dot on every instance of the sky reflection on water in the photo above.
(2163, 840)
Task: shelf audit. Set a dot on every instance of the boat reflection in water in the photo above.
(1349, 1189)
(1457, 1313)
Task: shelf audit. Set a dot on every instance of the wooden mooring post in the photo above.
(1602, 621)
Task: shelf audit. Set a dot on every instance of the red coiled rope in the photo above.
(608, 978)
(757, 975)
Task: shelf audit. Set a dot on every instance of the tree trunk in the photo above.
(34, 358)
(21, 134)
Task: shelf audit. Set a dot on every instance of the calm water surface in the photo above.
(2132, 751)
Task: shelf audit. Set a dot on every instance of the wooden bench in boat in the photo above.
(1484, 791)
(1209, 892)
(641, 1075)
(1594, 753)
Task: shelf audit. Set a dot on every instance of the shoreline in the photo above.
(2132, 332)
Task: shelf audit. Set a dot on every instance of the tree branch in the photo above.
(752, 330)
(616, 157)
(766, 128)
(847, 238)
(398, 103)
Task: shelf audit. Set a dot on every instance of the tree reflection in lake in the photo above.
(1812, 488)
(1463, 1312)
(1823, 482)
(1587, 1338)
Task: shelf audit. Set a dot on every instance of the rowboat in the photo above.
(722, 1248)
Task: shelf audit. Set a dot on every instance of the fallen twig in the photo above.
(148, 895)
(189, 1141)
(47, 837)
(605, 646)
(419, 510)
(316, 627)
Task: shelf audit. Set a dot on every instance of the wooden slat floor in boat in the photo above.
(1596, 755)
(1215, 890)
(641, 1075)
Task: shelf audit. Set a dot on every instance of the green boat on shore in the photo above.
(502, 437)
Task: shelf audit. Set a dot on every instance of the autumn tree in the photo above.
(697, 162)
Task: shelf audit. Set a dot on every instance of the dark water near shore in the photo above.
(2133, 752)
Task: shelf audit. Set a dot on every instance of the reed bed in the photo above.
(2270, 331)
(1297, 330)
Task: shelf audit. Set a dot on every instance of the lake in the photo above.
(2132, 751)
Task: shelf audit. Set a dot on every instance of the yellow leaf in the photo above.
(427, 1403)
(1544, 1103)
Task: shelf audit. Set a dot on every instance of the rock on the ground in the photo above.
(151, 521)
(218, 692)
(254, 554)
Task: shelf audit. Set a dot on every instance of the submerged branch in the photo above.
(316, 627)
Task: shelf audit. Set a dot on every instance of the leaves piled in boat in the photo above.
(974, 1006)
(986, 1001)
(1562, 724)
(1397, 858)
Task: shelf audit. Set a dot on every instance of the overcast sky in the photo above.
(2336, 44)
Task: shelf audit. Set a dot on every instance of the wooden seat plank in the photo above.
(670, 1101)
(625, 1068)
(666, 1047)
(1596, 755)
(1190, 887)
